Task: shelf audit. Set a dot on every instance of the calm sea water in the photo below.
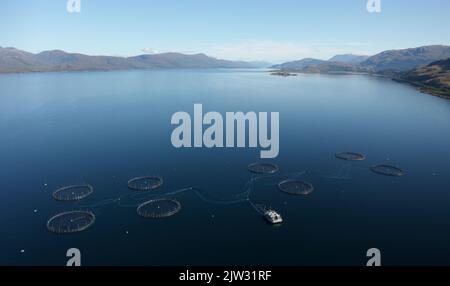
(104, 128)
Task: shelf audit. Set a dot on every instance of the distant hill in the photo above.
(14, 60)
(433, 78)
(424, 67)
(349, 58)
(387, 63)
(334, 67)
(320, 66)
(407, 59)
(300, 64)
(310, 64)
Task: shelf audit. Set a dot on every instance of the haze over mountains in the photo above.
(13, 61)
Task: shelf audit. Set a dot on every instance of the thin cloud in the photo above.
(150, 51)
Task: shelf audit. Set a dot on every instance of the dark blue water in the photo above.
(104, 128)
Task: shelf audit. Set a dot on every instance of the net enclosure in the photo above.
(387, 170)
(73, 192)
(159, 208)
(350, 156)
(263, 168)
(145, 183)
(70, 222)
(296, 187)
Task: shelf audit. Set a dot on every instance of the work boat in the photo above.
(273, 217)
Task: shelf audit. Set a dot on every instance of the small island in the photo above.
(283, 73)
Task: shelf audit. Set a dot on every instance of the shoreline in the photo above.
(424, 88)
(420, 87)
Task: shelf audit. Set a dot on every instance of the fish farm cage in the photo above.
(145, 183)
(387, 170)
(71, 222)
(350, 156)
(296, 187)
(263, 168)
(159, 208)
(73, 192)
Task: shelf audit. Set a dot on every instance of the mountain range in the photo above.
(425, 67)
(310, 62)
(300, 64)
(406, 59)
(13, 60)
(387, 62)
(349, 58)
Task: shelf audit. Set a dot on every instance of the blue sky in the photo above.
(234, 29)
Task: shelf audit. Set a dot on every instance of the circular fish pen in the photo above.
(350, 156)
(145, 183)
(387, 170)
(73, 193)
(70, 222)
(296, 187)
(160, 208)
(263, 168)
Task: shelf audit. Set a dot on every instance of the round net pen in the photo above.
(263, 168)
(145, 183)
(350, 156)
(387, 170)
(296, 187)
(70, 222)
(160, 208)
(73, 193)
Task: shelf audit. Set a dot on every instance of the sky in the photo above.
(265, 30)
